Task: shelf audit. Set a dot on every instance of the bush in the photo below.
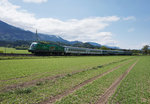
(1, 52)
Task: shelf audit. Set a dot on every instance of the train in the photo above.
(41, 48)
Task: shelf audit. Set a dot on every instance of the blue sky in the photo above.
(123, 23)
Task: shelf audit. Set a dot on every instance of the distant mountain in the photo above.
(112, 47)
(11, 33)
(44, 37)
(76, 42)
(94, 44)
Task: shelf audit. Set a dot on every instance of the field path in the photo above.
(69, 91)
(104, 98)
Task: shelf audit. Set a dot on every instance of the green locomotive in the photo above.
(45, 48)
(40, 48)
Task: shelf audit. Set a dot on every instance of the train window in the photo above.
(33, 44)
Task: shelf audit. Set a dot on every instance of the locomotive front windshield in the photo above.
(33, 45)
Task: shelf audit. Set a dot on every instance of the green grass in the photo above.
(29, 57)
(90, 93)
(13, 50)
(11, 69)
(135, 88)
(48, 88)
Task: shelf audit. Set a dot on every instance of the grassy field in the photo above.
(66, 80)
(135, 88)
(13, 50)
(91, 92)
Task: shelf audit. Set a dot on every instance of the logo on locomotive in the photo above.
(52, 48)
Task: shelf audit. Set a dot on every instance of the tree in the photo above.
(146, 50)
(104, 48)
(136, 52)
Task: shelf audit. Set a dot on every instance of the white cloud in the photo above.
(129, 18)
(145, 43)
(35, 1)
(87, 29)
(139, 45)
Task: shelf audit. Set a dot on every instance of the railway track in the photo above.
(15, 54)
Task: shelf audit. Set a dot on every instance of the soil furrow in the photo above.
(69, 91)
(104, 98)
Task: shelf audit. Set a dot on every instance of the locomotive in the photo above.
(40, 48)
